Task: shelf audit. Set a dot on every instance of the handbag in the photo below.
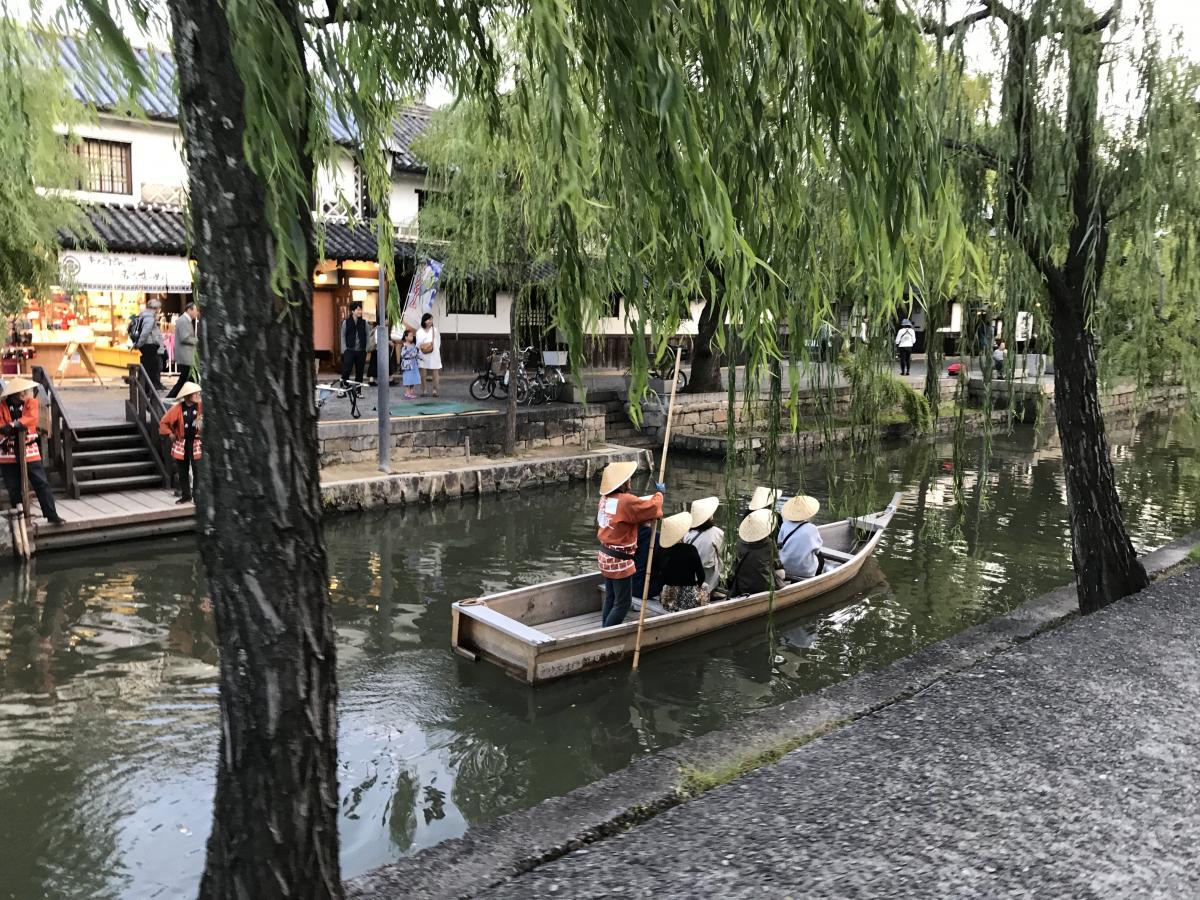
(427, 347)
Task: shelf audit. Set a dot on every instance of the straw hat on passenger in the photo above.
(17, 386)
(763, 497)
(757, 526)
(189, 388)
(703, 510)
(800, 508)
(616, 474)
(672, 529)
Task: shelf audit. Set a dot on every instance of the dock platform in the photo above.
(101, 518)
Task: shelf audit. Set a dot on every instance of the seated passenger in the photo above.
(677, 572)
(708, 539)
(754, 570)
(799, 539)
(762, 498)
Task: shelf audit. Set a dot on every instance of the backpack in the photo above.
(135, 328)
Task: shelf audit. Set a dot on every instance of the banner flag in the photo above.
(422, 293)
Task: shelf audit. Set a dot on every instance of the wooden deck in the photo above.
(104, 518)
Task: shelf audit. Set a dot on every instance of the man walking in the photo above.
(148, 339)
(354, 344)
(906, 339)
(186, 340)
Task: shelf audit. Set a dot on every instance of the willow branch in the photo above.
(337, 13)
(1103, 21)
(985, 154)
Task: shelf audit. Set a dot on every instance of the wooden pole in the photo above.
(662, 473)
(23, 468)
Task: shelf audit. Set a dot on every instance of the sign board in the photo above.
(124, 272)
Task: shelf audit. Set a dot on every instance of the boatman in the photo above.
(19, 407)
(618, 517)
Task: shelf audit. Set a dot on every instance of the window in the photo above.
(106, 166)
(612, 306)
(470, 300)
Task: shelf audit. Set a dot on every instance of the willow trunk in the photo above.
(1106, 565)
(274, 828)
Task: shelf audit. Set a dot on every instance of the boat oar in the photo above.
(662, 474)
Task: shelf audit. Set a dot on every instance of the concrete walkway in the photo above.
(1067, 766)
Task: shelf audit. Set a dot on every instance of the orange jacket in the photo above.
(172, 423)
(28, 418)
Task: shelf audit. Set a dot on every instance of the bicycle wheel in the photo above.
(682, 379)
(523, 391)
(482, 388)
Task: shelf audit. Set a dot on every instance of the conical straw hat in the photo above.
(616, 474)
(703, 509)
(757, 525)
(763, 497)
(17, 386)
(800, 508)
(672, 529)
(189, 388)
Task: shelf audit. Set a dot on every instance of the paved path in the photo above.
(1068, 766)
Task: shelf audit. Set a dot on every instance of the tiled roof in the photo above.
(102, 84)
(153, 229)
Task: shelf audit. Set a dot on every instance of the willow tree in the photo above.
(36, 164)
(1063, 181)
(624, 145)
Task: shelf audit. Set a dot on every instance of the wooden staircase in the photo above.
(114, 457)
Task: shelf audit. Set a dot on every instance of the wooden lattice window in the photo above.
(107, 166)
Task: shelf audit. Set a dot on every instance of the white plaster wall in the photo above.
(404, 203)
(477, 323)
(336, 175)
(155, 155)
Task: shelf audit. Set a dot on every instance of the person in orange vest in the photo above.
(618, 517)
(19, 406)
(182, 423)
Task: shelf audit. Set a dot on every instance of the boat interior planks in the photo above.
(545, 631)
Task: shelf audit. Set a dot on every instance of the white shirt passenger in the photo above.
(798, 546)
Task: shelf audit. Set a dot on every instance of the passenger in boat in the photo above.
(678, 572)
(618, 516)
(799, 539)
(754, 570)
(762, 498)
(708, 539)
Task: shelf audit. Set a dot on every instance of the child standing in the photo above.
(408, 363)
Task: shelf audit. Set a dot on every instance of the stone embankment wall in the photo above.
(709, 414)
(479, 479)
(458, 436)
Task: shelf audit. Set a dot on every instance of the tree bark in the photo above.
(274, 830)
(934, 355)
(1106, 566)
(705, 376)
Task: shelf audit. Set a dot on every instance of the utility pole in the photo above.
(383, 354)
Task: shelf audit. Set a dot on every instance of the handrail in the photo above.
(62, 433)
(145, 409)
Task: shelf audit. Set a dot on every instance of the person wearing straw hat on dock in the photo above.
(707, 538)
(19, 407)
(678, 572)
(618, 516)
(754, 571)
(182, 423)
(799, 539)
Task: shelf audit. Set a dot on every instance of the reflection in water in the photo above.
(108, 708)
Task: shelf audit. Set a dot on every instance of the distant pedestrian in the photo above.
(906, 339)
(429, 344)
(824, 341)
(183, 424)
(19, 407)
(354, 344)
(408, 363)
(998, 357)
(186, 340)
(148, 340)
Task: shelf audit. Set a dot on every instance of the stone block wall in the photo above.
(708, 414)
(447, 437)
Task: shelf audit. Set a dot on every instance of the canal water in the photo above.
(108, 698)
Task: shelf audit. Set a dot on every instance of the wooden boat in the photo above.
(549, 630)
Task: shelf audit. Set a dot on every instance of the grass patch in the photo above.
(694, 780)
(1194, 554)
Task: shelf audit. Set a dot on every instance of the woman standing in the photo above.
(429, 344)
(617, 517)
(708, 539)
(182, 423)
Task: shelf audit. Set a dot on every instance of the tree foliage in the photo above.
(36, 163)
